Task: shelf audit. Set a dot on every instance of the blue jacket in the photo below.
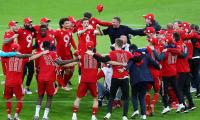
(139, 71)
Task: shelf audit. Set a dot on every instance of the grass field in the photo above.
(130, 11)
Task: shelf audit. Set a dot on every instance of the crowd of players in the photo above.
(169, 64)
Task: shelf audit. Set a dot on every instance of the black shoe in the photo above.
(9, 119)
(191, 107)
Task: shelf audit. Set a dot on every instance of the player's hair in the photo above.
(176, 36)
(117, 18)
(119, 42)
(46, 45)
(87, 15)
(62, 21)
(84, 19)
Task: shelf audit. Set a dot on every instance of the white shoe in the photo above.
(27, 91)
(143, 117)
(94, 117)
(74, 117)
(180, 108)
(165, 110)
(192, 90)
(135, 114)
(124, 118)
(107, 117)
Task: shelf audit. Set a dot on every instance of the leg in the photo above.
(30, 66)
(125, 95)
(142, 93)
(113, 90)
(164, 91)
(48, 106)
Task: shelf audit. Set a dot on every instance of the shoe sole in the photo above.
(135, 116)
(165, 112)
(192, 108)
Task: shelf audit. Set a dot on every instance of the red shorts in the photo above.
(83, 87)
(9, 91)
(46, 86)
(156, 85)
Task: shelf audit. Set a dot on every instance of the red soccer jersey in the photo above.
(169, 65)
(15, 69)
(47, 68)
(182, 63)
(64, 41)
(89, 68)
(25, 40)
(7, 46)
(154, 72)
(39, 40)
(120, 56)
(84, 38)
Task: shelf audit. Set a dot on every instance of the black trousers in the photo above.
(29, 68)
(124, 85)
(183, 84)
(138, 92)
(167, 81)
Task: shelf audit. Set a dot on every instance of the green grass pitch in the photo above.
(130, 11)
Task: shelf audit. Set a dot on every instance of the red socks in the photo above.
(155, 98)
(94, 111)
(19, 107)
(75, 109)
(8, 107)
(148, 100)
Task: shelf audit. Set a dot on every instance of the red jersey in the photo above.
(40, 40)
(89, 68)
(15, 69)
(158, 49)
(64, 41)
(182, 63)
(47, 68)
(84, 38)
(25, 40)
(122, 57)
(94, 21)
(7, 46)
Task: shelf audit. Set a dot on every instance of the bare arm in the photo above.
(70, 64)
(23, 55)
(64, 62)
(38, 55)
(84, 30)
(8, 40)
(117, 63)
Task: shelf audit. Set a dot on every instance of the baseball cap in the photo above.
(12, 23)
(44, 20)
(169, 39)
(90, 45)
(149, 16)
(27, 20)
(184, 24)
(149, 30)
(15, 47)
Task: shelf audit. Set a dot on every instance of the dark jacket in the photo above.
(138, 69)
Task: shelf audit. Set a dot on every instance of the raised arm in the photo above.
(7, 54)
(38, 55)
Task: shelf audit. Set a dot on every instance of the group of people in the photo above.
(169, 64)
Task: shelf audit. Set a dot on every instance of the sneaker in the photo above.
(16, 118)
(44, 118)
(94, 117)
(198, 95)
(180, 108)
(166, 110)
(135, 114)
(28, 91)
(124, 118)
(185, 110)
(191, 107)
(68, 88)
(74, 117)
(143, 117)
(192, 90)
(174, 105)
(107, 117)
(9, 119)
(36, 118)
